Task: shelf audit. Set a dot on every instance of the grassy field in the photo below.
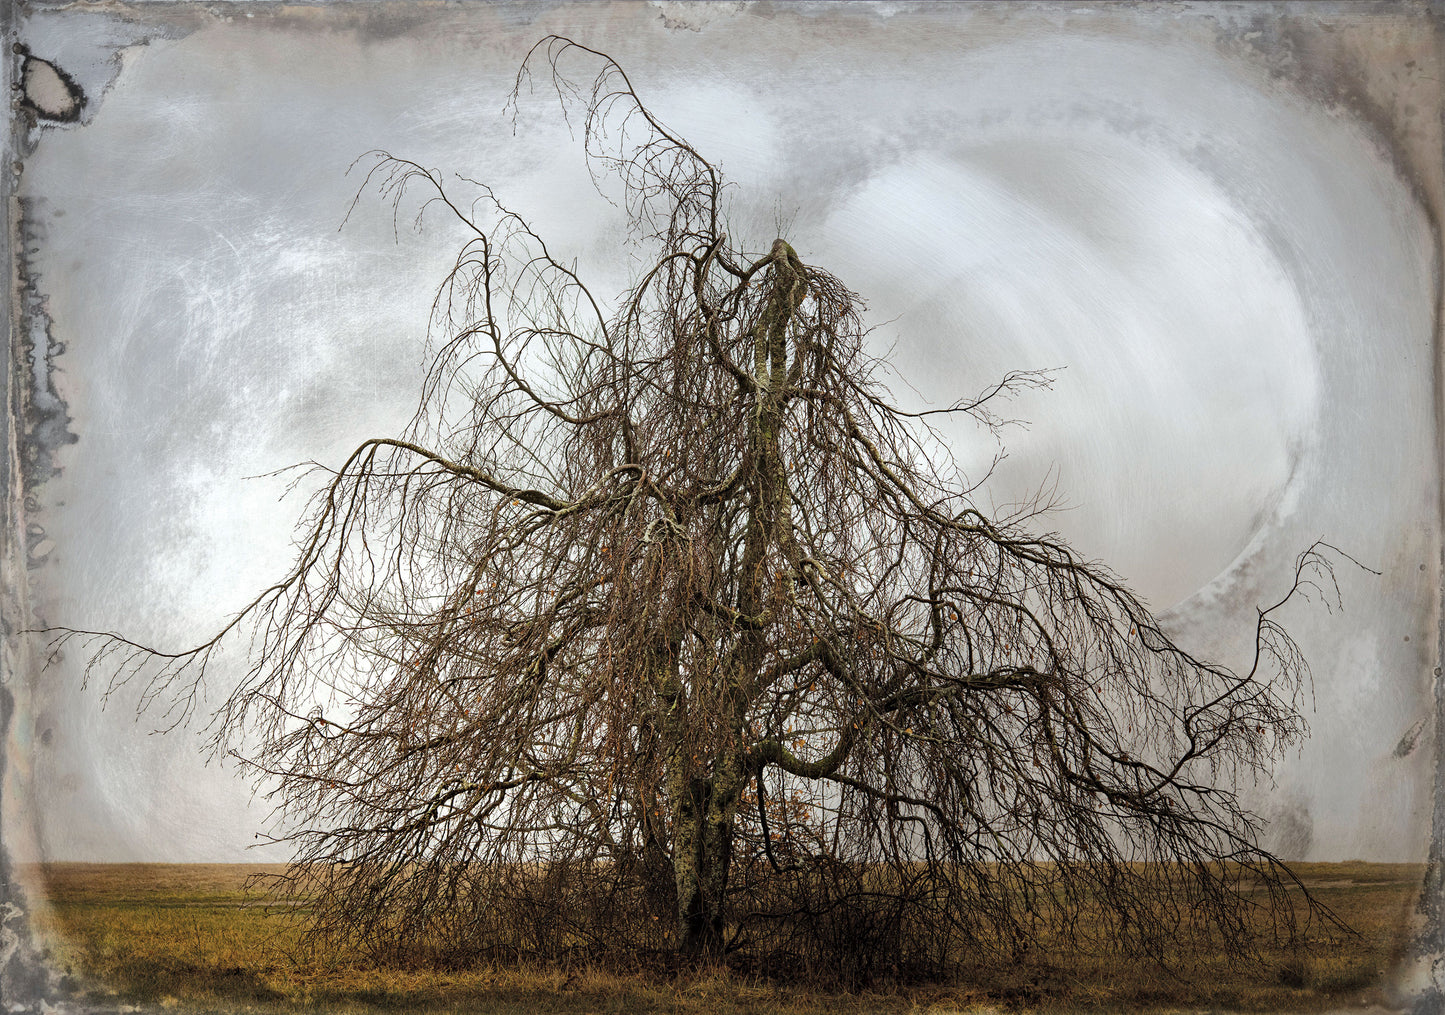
(192, 937)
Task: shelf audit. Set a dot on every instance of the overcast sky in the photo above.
(1232, 279)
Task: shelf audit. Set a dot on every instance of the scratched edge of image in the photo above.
(27, 980)
(32, 432)
(24, 976)
(1428, 948)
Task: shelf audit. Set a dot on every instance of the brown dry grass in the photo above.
(193, 936)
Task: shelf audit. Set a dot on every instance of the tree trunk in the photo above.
(704, 807)
(702, 857)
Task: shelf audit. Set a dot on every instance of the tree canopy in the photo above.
(662, 627)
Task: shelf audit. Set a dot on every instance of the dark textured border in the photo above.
(35, 422)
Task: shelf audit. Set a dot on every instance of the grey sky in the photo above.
(1234, 277)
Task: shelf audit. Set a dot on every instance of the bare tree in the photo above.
(663, 603)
